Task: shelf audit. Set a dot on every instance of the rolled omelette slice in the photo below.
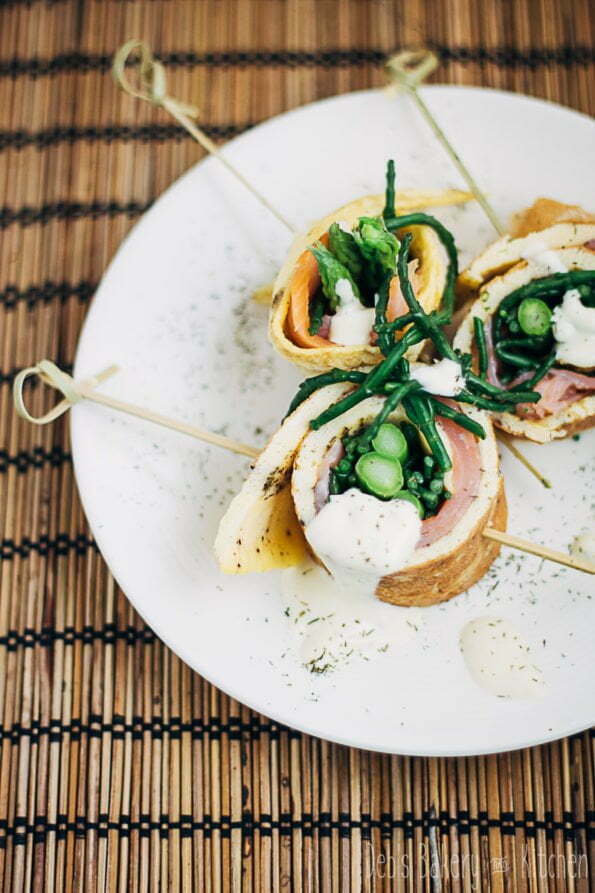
(264, 527)
(558, 225)
(298, 279)
(567, 404)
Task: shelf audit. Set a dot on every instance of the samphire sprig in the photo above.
(391, 377)
(522, 327)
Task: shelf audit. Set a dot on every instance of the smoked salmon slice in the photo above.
(303, 286)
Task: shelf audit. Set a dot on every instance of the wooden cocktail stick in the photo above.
(152, 88)
(508, 441)
(73, 392)
(516, 542)
(408, 68)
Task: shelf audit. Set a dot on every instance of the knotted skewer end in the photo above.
(410, 67)
(52, 375)
(152, 80)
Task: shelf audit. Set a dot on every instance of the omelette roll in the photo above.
(384, 516)
(531, 322)
(320, 329)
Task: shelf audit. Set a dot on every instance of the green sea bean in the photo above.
(385, 339)
(545, 287)
(428, 322)
(390, 404)
(515, 359)
(389, 201)
(417, 218)
(482, 348)
(539, 373)
(372, 383)
(420, 412)
(309, 385)
(499, 406)
(462, 420)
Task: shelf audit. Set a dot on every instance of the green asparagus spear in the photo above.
(331, 272)
(379, 248)
(345, 248)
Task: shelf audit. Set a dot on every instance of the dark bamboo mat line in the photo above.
(504, 56)
(11, 4)
(322, 825)
(157, 726)
(47, 637)
(234, 727)
(66, 210)
(7, 377)
(46, 292)
(43, 139)
(60, 544)
(34, 458)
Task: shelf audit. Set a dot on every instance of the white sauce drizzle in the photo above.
(543, 257)
(352, 323)
(361, 539)
(574, 330)
(332, 624)
(583, 545)
(574, 324)
(499, 659)
(444, 378)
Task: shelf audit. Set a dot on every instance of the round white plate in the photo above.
(174, 311)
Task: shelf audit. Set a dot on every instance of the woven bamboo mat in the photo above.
(119, 767)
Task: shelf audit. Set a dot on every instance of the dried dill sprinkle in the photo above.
(315, 665)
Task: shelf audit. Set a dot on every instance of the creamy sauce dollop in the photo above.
(574, 331)
(352, 323)
(574, 324)
(444, 378)
(332, 625)
(361, 539)
(499, 659)
(543, 257)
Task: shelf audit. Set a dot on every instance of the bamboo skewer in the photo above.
(516, 542)
(153, 89)
(508, 441)
(211, 437)
(74, 392)
(408, 69)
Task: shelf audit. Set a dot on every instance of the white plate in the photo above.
(174, 311)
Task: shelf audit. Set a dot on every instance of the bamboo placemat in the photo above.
(119, 767)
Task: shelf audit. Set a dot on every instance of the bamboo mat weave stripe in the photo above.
(42, 139)
(119, 767)
(505, 56)
(64, 210)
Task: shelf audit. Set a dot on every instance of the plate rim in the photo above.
(98, 534)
